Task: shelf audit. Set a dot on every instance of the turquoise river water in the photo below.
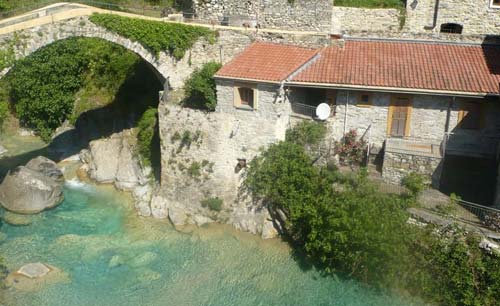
(110, 256)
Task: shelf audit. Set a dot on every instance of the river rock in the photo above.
(34, 270)
(268, 230)
(142, 197)
(177, 216)
(159, 208)
(46, 167)
(16, 219)
(35, 276)
(2, 150)
(27, 191)
(104, 159)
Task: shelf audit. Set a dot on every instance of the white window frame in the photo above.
(494, 6)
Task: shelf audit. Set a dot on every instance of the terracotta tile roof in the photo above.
(267, 62)
(446, 67)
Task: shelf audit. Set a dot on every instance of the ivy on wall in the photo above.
(156, 36)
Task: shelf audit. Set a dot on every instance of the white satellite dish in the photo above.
(323, 111)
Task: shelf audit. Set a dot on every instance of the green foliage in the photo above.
(415, 183)
(345, 225)
(146, 130)
(306, 133)
(214, 204)
(4, 113)
(156, 36)
(44, 84)
(350, 149)
(371, 3)
(7, 57)
(200, 89)
(194, 169)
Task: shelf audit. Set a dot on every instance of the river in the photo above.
(111, 256)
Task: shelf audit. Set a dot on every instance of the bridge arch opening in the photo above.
(115, 87)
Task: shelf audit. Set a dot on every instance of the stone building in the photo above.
(420, 106)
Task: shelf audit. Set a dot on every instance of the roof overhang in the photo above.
(217, 77)
(392, 89)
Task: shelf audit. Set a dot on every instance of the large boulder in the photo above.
(29, 190)
(112, 160)
(46, 167)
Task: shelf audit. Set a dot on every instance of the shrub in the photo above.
(146, 130)
(194, 169)
(156, 36)
(214, 204)
(415, 183)
(350, 149)
(306, 133)
(200, 89)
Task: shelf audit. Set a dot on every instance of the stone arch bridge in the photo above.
(34, 30)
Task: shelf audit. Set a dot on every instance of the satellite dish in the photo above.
(323, 111)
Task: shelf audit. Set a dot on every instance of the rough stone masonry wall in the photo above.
(358, 21)
(303, 15)
(218, 140)
(398, 165)
(427, 122)
(476, 16)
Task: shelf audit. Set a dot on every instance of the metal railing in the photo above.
(304, 109)
(480, 215)
(146, 10)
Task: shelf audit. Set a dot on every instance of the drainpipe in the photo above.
(434, 19)
(345, 112)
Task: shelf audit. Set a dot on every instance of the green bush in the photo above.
(200, 89)
(214, 204)
(415, 183)
(156, 36)
(306, 133)
(44, 84)
(345, 225)
(194, 169)
(146, 130)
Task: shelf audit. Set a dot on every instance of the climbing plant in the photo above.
(156, 36)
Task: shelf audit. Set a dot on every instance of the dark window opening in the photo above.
(495, 3)
(452, 28)
(246, 96)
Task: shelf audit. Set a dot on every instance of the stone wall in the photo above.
(356, 21)
(303, 15)
(218, 141)
(397, 165)
(476, 16)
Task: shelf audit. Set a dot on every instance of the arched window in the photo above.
(453, 28)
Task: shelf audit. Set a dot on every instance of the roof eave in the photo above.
(391, 89)
(246, 79)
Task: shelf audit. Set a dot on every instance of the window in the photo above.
(364, 100)
(452, 28)
(469, 116)
(245, 96)
(495, 3)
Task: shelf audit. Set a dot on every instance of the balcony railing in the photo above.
(307, 110)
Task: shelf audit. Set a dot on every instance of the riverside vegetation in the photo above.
(346, 226)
